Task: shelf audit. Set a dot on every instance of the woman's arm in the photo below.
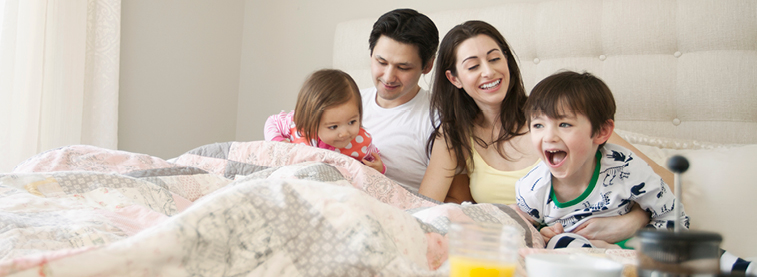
(615, 228)
(459, 190)
(440, 172)
(665, 174)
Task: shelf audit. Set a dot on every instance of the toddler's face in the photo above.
(340, 124)
(566, 144)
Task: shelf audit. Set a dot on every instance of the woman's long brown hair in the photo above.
(457, 112)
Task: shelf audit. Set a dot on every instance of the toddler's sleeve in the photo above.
(277, 127)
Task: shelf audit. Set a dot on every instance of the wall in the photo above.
(179, 78)
(195, 72)
(284, 41)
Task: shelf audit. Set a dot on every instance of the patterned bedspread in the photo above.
(226, 209)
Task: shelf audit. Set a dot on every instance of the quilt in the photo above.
(225, 209)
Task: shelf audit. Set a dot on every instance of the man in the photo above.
(403, 43)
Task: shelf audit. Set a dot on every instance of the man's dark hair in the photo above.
(409, 27)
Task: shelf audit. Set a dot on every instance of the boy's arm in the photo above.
(656, 197)
(524, 215)
(526, 201)
(547, 232)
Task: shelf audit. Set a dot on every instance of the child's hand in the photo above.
(376, 164)
(550, 231)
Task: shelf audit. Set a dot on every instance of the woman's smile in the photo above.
(482, 70)
(491, 85)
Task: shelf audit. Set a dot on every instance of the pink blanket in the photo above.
(237, 208)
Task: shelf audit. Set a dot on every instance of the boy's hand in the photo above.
(550, 231)
(376, 164)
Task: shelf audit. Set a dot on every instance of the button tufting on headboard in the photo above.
(713, 88)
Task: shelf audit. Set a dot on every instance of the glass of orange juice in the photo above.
(482, 249)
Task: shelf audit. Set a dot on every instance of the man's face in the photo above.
(396, 68)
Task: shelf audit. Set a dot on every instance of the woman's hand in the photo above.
(550, 231)
(376, 164)
(614, 229)
(603, 244)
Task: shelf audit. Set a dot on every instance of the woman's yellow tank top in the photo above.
(489, 185)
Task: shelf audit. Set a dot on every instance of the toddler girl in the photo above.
(327, 115)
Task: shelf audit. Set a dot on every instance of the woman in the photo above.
(481, 137)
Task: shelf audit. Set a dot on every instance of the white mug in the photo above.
(569, 265)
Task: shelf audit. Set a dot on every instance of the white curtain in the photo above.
(59, 62)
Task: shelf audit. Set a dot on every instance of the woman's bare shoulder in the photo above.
(520, 153)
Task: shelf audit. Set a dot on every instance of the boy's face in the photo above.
(566, 145)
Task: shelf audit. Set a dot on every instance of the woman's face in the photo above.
(482, 71)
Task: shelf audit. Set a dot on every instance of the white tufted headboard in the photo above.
(682, 69)
(683, 73)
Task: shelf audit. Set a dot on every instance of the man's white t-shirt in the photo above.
(400, 133)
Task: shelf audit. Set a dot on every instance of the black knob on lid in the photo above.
(678, 164)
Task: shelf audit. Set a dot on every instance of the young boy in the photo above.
(571, 116)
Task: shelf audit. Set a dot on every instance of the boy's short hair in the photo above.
(568, 91)
(323, 89)
(407, 26)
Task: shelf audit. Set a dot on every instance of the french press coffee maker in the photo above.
(681, 252)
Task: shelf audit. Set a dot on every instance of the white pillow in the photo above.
(718, 189)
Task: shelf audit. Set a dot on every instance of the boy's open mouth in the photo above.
(555, 157)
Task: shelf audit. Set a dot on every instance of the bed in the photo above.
(683, 73)
(225, 209)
